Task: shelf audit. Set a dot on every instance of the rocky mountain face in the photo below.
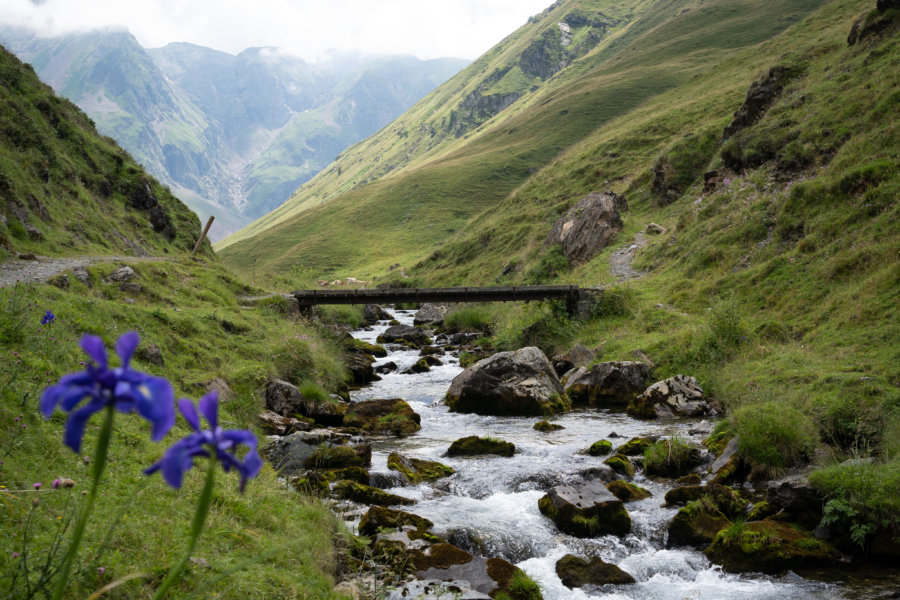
(233, 136)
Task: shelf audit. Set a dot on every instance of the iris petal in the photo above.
(209, 408)
(190, 413)
(76, 423)
(155, 402)
(94, 348)
(126, 345)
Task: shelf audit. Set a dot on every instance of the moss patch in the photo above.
(628, 492)
(768, 546)
(417, 470)
(620, 464)
(366, 494)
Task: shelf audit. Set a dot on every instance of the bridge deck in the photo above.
(570, 293)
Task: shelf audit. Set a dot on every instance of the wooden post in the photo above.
(202, 235)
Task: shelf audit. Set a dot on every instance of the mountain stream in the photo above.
(490, 506)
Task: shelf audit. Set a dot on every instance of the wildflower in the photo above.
(101, 571)
(179, 458)
(56, 483)
(48, 318)
(99, 387)
(37, 485)
(15, 555)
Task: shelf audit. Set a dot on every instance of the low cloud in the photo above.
(427, 29)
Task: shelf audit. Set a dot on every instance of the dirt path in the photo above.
(620, 260)
(32, 271)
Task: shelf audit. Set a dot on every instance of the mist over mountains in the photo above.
(232, 136)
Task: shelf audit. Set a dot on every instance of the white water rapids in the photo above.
(490, 506)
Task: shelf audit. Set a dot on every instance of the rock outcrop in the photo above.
(520, 383)
(286, 399)
(588, 227)
(679, 396)
(576, 356)
(293, 454)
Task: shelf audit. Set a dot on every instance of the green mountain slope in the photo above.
(232, 135)
(436, 183)
(66, 190)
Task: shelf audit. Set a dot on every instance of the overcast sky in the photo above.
(308, 28)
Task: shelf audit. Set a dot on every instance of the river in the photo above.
(490, 506)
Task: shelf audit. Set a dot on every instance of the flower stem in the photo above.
(99, 464)
(196, 528)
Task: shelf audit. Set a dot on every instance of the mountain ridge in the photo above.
(232, 135)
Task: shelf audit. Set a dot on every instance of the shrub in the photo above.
(615, 302)
(313, 391)
(549, 266)
(774, 435)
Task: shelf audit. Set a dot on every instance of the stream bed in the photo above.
(490, 506)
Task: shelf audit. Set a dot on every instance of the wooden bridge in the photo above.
(572, 295)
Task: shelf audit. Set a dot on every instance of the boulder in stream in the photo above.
(575, 571)
(417, 470)
(378, 517)
(576, 356)
(585, 509)
(392, 416)
(372, 313)
(521, 383)
(404, 334)
(627, 491)
(490, 576)
(477, 446)
(608, 384)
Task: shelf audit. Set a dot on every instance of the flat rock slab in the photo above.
(586, 509)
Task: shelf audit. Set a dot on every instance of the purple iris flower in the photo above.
(179, 458)
(48, 317)
(98, 386)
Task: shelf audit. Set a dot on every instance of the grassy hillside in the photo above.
(77, 188)
(776, 285)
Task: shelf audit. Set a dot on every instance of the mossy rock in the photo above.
(478, 446)
(697, 524)
(366, 494)
(417, 470)
(439, 556)
(433, 350)
(378, 517)
(620, 464)
(313, 484)
(768, 546)
(761, 510)
(670, 458)
(642, 407)
(635, 446)
(336, 457)
(717, 441)
(376, 350)
(357, 474)
(627, 492)
(724, 498)
(391, 416)
(420, 366)
(689, 479)
(600, 448)
(546, 426)
(431, 361)
(575, 571)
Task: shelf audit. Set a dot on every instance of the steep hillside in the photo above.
(232, 135)
(66, 190)
(423, 188)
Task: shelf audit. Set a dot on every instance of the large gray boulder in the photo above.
(588, 227)
(679, 396)
(285, 399)
(608, 384)
(586, 509)
(372, 313)
(573, 358)
(431, 314)
(508, 383)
